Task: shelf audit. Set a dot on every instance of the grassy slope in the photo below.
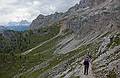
(13, 63)
(22, 41)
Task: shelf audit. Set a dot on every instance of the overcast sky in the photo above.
(16, 10)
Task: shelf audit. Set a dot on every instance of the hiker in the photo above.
(86, 65)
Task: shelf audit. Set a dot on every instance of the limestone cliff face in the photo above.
(87, 16)
(42, 21)
(99, 17)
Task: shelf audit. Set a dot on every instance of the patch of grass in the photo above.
(112, 74)
(114, 41)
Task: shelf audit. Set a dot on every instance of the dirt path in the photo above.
(28, 51)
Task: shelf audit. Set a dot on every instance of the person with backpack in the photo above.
(86, 65)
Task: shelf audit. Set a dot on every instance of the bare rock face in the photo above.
(103, 16)
(42, 21)
(89, 16)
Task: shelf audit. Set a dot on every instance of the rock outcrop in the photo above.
(42, 21)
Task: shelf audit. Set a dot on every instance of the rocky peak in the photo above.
(84, 3)
(41, 16)
(42, 21)
(24, 23)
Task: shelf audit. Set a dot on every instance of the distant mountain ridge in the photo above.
(21, 23)
(18, 26)
(2, 28)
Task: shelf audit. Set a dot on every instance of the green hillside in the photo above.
(11, 60)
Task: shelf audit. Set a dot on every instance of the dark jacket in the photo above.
(86, 61)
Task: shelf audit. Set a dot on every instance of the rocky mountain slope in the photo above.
(90, 27)
(42, 21)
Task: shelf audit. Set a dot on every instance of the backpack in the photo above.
(86, 61)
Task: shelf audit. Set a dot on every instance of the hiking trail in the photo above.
(28, 51)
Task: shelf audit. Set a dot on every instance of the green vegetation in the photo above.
(22, 41)
(13, 63)
(115, 41)
(112, 74)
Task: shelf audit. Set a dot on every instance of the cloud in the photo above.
(16, 10)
